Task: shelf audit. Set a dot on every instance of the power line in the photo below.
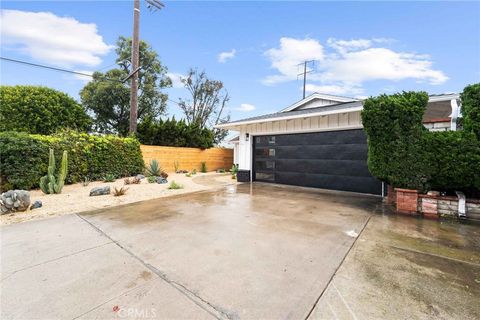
(304, 73)
(55, 68)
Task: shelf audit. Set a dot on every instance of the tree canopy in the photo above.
(108, 98)
(39, 110)
(206, 107)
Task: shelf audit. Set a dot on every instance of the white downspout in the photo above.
(454, 115)
(462, 212)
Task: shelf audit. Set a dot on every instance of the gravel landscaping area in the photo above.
(75, 198)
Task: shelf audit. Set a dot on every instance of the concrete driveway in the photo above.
(242, 252)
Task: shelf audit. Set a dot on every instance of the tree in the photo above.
(41, 110)
(207, 105)
(108, 97)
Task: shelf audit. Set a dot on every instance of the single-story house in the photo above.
(319, 142)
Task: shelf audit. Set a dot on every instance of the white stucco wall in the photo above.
(340, 121)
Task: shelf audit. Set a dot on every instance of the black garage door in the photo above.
(330, 160)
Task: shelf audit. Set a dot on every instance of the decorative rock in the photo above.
(161, 180)
(100, 191)
(140, 176)
(37, 204)
(14, 200)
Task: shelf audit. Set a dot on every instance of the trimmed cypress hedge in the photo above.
(171, 132)
(403, 153)
(24, 157)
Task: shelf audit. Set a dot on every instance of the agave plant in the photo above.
(153, 169)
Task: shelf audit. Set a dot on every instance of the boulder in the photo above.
(100, 191)
(140, 176)
(161, 180)
(14, 200)
(37, 204)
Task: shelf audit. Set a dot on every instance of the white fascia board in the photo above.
(444, 97)
(317, 96)
(342, 128)
(231, 126)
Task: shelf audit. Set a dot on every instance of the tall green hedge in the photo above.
(403, 153)
(40, 110)
(24, 157)
(471, 108)
(174, 133)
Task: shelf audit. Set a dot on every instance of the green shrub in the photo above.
(174, 133)
(41, 110)
(24, 157)
(471, 108)
(109, 178)
(174, 185)
(203, 167)
(404, 154)
(452, 160)
(152, 179)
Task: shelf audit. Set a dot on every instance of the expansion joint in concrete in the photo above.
(338, 267)
(215, 311)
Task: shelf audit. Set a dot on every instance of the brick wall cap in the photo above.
(447, 198)
(406, 190)
(428, 196)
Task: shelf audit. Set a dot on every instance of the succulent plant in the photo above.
(51, 183)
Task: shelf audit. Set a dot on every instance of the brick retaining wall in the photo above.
(431, 206)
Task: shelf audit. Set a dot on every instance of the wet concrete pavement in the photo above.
(407, 268)
(244, 251)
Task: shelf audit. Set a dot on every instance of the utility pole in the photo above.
(153, 5)
(304, 73)
(135, 53)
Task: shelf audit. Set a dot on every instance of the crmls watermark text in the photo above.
(135, 313)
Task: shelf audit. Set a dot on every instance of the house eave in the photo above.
(317, 96)
(235, 125)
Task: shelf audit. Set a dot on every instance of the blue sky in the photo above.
(360, 48)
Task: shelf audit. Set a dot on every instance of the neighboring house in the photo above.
(319, 142)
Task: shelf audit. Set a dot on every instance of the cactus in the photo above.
(51, 183)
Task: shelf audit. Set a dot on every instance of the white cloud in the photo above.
(245, 107)
(349, 64)
(381, 64)
(291, 53)
(343, 46)
(340, 89)
(224, 56)
(176, 79)
(45, 37)
(82, 77)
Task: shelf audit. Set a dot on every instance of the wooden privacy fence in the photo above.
(188, 158)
